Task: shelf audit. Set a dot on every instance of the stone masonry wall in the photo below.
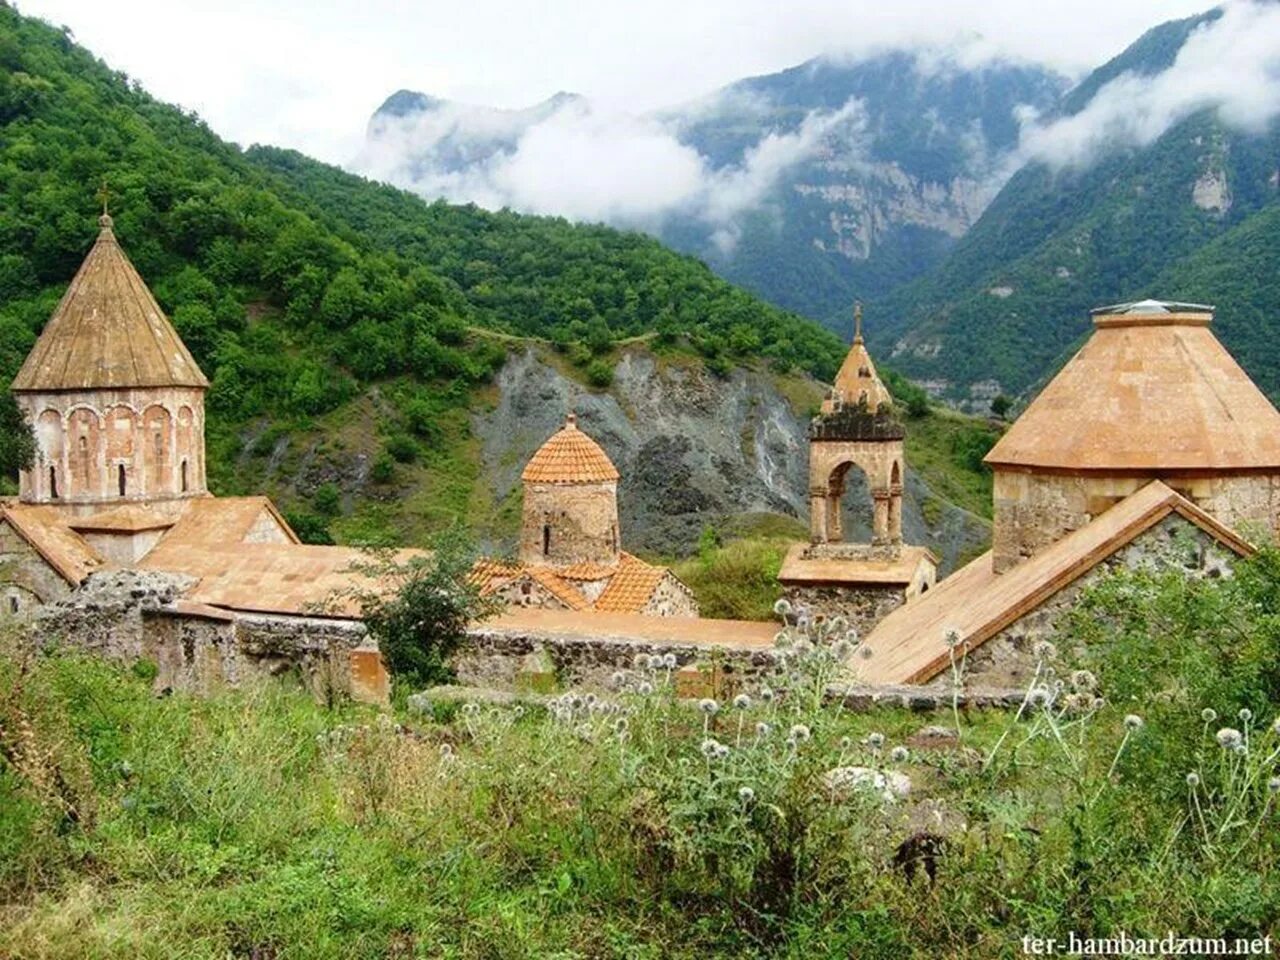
(583, 522)
(1034, 510)
(1006, 660)
(671, 598)
(863, 607)
(26, 579)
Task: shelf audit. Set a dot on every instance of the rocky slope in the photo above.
(694, 450)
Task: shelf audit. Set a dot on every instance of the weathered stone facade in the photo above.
(107, 446)
(862, 606)
(568, 523)
(671, 598)
(1006, 659)
(26, 578)
(1035, 509)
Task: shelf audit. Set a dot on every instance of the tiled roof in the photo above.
(570, 456)
(631, 587)
(1148, 391)
(587, 571)
(108, 331)
(901, 570)
(493, 574)
(46, 530)
(857, 376)
(130, 518)
(210, 522)
(907, 646)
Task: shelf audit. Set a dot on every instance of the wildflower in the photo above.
(722, 751)
(864, 653)
(1245, 715)
(746, 795)
(782, 607)
(470, 709)
(899, 755)
(1208, 714)
(517, 711)
(710, 748)
(742, 702)
(1275, 727)
(446, 751)
(1133, 722)
(590, 700)
(800, 733)
(1229, 739)
(842, 650)
(790, 743)
(708, 706)
(618, 679)
(644, 688)
(876, 740)
(766, 694)
(576, 702)
(620, 726)
(1083, 680)
(845, 743)
(782, 640)
(951, 638)
(1099, 703)
(584, 732)
(1273, 785)
(763, 729)
(1193, 780)
(1241, 749)
(642, 661)
(1038, 696)
(1044, 650)
(804, 646)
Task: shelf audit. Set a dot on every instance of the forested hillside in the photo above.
(1190, 216)
(351, 330)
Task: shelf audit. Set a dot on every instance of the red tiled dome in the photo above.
(570, 456)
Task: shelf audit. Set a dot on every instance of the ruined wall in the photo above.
(26, 578)
(671, 598)
(109, 446)
(566, 523)
(1006, 660)
(863, 607)
(1033, 510)
(524, 591)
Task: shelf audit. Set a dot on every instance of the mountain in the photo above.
(1188, 212)
(359, 338)
(811, 187)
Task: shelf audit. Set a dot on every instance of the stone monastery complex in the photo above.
(1150, 447)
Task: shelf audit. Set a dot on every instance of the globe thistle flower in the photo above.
(576, 702)
(742, 702)
(782, 607)
(446, 751)
(875, 740)
(517, 711)
(1083, 680)
(864, 653)
(590, 700)
(1245, 715)
(1038, 696)
(644, 688)
(1099, 703)
(668, 661)
(746, 795)
(1273, 785)
(1229, 738)
(1044, 650)
(470, 709)
(618, 680)
(1240, 749)
(800, 733)
(1208, 714)
(842, 650)
(710, 748)
(641, 661)
(1275, 726)
(584, 732)
(782, 640)
(1193, 780)
(722, 751)
(708, 706)
(1133, 722)
(899, 754)
(790, 743)
(620, 726)
(763, 729)
(951, 638)
(845, 743)
(804, 646)
(766, 694)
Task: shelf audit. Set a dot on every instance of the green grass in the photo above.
(255, 823)
(737, 581)
(940, 447)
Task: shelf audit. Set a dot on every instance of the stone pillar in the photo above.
(895, 515)
(835, 524)
(818, 515)
(880, 517)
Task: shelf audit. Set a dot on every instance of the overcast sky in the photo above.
(308, 73)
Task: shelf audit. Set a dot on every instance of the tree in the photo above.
(421, 607)
(17, 442)
(1000, 405)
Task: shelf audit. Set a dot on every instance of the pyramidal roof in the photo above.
(570, 456)
(108, 332)
(1152, 389)
(857, 378)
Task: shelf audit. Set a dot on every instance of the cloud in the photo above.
(1231, 64)
(576, 160)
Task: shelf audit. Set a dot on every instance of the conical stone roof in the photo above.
(570, 456)
(108, 332)
(1152, 389)
(857, 379)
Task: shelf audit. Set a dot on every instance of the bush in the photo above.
(401, 448)
(599, 374)
(383, 469)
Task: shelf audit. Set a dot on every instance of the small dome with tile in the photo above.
(570, 456)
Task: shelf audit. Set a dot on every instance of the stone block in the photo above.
(370, 682)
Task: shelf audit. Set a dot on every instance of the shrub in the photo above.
(599, 374)
(401, 448)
